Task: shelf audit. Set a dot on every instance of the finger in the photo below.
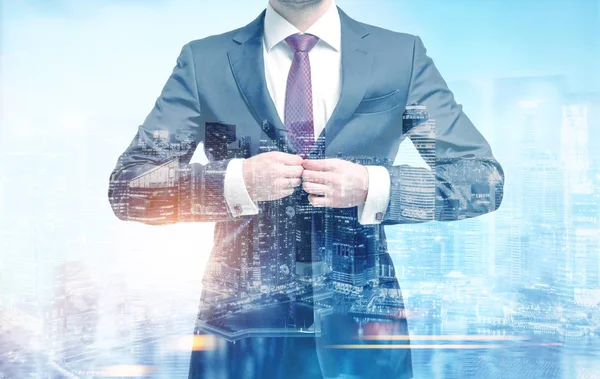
(316, 189)
(315, 164)
(318, 201)
(292, 171)
(287, 183)
(279, 193)
(315, 177)
(286, 193)
(288, 159)
(295, 182)
(320, 164)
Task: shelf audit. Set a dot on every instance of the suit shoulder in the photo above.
(386, 35)
(213, 42)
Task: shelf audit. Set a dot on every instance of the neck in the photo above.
(302, 16)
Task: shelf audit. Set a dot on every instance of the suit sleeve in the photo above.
(463, 179)
(153, 181)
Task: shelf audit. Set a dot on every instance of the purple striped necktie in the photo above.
(298, 115)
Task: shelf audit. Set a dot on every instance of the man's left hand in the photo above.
(335, 183)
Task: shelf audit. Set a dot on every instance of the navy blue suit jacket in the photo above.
(217, 98)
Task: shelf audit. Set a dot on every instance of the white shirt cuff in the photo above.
(236, 195)
(378, 196)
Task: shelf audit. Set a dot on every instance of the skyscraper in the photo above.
(352, 267)
(574, 151)
(218, 137)
(585, 242)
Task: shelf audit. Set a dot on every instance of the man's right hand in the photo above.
(273, 175)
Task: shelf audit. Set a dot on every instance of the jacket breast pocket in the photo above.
(379, 104)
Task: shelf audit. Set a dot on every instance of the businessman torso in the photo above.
(293, 269)
(262, 254)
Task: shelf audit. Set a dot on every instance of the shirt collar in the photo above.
(327, 28)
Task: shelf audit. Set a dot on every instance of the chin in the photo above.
(299, 3)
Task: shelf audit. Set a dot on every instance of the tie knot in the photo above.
(302, 42)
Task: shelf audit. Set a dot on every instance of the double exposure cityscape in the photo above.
(516, 290)
(126, 271)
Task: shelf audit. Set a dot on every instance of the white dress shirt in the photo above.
(326, 75)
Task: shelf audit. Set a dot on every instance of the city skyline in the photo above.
(509, 261)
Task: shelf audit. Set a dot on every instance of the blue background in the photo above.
(79, 76)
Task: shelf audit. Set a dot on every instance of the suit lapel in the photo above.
(247, 64)
(356, 69)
